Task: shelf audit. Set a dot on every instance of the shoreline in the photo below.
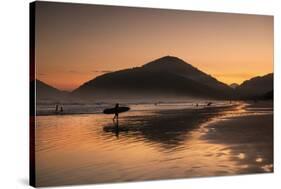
(250, 138)
(167, 128)
(99, 109)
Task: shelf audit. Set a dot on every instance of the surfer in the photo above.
(116, 112)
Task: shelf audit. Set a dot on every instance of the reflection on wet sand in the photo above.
(255, 118)
(162, 144)
(250, 138)
(168, 128)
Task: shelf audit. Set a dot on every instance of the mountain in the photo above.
(166, 76)
(256, 87)
(47, 92)
(179, 67)
(268, 96)
(233, 85)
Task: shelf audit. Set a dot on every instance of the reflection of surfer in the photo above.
(116, 112)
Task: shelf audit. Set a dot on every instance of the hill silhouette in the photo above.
(234, 85)
(179, 67)
(166, 76)
(47, 92)
(257, 87)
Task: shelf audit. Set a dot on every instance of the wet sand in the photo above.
(155, 144)
(249, 136)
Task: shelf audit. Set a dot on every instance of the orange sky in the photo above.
(76, 43)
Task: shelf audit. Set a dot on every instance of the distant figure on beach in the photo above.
(116, 112)
(57, 108)
(61, 109)
(209, 103)
(196, 104)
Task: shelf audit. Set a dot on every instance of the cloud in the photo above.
(93, 71)
(101, 71)
(75, 72)
(41, 74)
(240, 75)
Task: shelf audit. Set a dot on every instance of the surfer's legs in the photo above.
(115, 117)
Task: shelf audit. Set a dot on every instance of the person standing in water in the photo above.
(61, 109)
(116, 112)
(57, 108)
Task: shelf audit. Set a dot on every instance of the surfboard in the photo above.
(113, 110)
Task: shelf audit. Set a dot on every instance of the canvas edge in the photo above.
(32, 172)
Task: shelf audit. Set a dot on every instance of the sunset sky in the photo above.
(76, 43)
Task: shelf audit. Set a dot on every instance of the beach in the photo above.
(250, 137)
(155, 143)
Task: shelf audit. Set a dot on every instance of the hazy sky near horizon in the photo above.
(76, 42)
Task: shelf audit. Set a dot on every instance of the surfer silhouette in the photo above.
(116, 112)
